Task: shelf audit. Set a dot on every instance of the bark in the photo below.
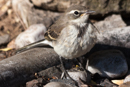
(20, 68)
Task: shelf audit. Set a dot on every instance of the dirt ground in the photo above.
(9, 24)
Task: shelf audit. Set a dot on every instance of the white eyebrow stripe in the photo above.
(72, 11)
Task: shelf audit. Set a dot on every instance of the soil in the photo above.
(9, 24)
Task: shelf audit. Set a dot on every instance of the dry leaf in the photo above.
(5, 49)
(118, 82)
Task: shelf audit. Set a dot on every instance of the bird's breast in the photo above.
(69, 45)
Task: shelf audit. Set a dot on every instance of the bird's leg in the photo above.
(65, 72)
(85, 70)
(80, 64)
(87, 64)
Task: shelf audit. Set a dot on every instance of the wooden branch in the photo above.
(20, 68)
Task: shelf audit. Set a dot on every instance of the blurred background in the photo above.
(17, 15)
(25, 21)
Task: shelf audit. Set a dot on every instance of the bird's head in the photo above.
(78, 13)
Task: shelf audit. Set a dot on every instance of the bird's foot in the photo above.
(65, 73)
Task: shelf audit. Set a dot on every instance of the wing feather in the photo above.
(54, 32)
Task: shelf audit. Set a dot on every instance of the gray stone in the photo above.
(127, 79)
(125, 84)
(58, 84)
(111, 22)
(4, 39)
(32, 83)
(80, 76)
(108, 63)
(115, 36)
(32, 34)
(29, 15)
(100, 6)
(54, 5)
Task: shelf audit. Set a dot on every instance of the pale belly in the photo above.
(70, 46)
(74, 47)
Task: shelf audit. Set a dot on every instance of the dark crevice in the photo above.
(125, 16)
(120, 4)
(106, 3)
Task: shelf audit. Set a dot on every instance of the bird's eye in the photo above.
(76, 13)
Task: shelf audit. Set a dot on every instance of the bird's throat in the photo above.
(82, 28)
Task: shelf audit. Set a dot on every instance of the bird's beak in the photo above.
(89, 12)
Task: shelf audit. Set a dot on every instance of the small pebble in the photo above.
(4, 39)
(80, 75)
(58, 84)
(32, 83)
(127, 79)
(125, 84)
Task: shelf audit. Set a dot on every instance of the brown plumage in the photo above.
(72, 35)
(54, 31)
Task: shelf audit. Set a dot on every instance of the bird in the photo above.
(72, 35)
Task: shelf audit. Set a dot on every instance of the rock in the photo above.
(54, 71)
(11, 44)
(29, 15)
(113, 21)
(2, 56)
(22, 9)
(40, 16)
(4, 39)
(127, 45)
(32, 83)
(32, 34)
(80, 75)
(21, 67)
(39, 2)
(54, 5)
(101, 6)
(4, 8)
(115, 36)
(58, 84)
(107, 83)
(125, 84)
(64, 81)
(108, 63)
(127, 79)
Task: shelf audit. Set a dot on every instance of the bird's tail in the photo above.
(41, 43)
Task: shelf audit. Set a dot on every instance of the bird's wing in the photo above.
(54, 31)
(41, 43)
